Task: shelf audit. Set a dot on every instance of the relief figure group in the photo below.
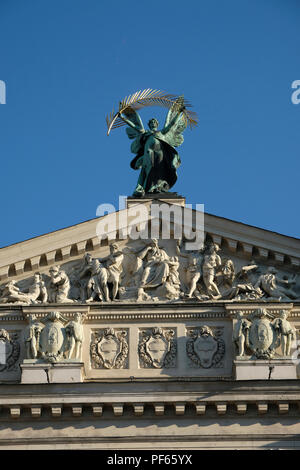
(148, 272)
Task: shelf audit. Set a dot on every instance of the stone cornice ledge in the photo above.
(147, 311)
(150, 399)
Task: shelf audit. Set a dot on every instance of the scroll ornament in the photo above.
(109, 349)
(158, 348)
(205, 348)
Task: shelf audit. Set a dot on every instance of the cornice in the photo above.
(161, 311)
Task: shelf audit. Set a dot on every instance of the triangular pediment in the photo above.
(240, 246)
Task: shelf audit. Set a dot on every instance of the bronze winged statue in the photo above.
(155, 154)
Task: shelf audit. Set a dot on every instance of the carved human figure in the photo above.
(59, 287)
(113, 263)
(286, 332)
(193, 270)
(37, 289)
(96, 285)
(74, 331)
(239, 333)
(83, 277)
(211, 263)
(11, 293)
(228, 273)
(156, 266)
(31, 337)
(173, 271)
(274, 287)
(243, 284)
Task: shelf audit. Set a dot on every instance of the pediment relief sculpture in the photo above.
(260, 334)
(205, 347)
(157, 348)
(154, 270)
(109, 349)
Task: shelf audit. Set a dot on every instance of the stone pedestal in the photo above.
(34, 372)
(271, 369)
(169, 198)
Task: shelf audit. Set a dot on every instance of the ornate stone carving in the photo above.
(31, 336)
(261, 334)
(211, 263)
(95, 274)
(156, 267)
(193, 271)
(205, 348)
(145, 271)
(228, 272)
(97, 288)
(11, 293)
(150, 274)
(10, 350)
(113, 263)
(59, 287)
(286, 332)
(158, 348)
(239, 333)
(109, 349)
(275, 288)
(53, 339)
(37, 290)
(34, 294)
(244, 287)
(74, 332)
(80, 278)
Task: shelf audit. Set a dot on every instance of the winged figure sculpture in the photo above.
(154, 149)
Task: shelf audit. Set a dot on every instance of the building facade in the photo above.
(136, 342)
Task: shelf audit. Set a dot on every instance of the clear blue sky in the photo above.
(66, 63)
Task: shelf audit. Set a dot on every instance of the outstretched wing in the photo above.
(134, 117)
(174, 136)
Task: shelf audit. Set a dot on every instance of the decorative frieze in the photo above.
(147, 271)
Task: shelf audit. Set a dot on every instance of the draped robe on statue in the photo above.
(156, 156)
